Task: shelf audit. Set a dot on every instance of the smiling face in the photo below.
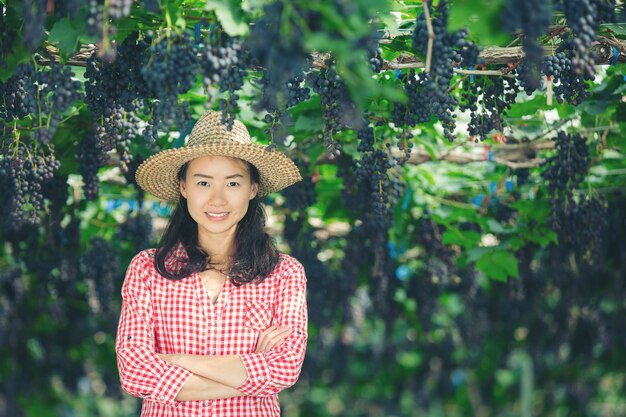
(218, 190)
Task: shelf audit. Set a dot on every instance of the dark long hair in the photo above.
(255, 254)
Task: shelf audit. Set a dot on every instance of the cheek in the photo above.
(193, 202)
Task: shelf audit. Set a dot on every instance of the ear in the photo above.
(183, 190)
(254, 189)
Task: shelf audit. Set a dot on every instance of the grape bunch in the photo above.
(45, 94)
(119, 8)
(606, 11)
(564, 172)
(366, 138)
(374, 171)
(56, 192)
(428, 92)
(297, 92)
(569, 85)
(57, 90)
(441, 258)
(300, 195)
(171, 69)
(277, 35)
(376, 60)
(91, 158)
(25, 167)
(116, 94)
(129, 176)
(119, 82)
(338, 110)
(137, 230)
(19, 94)
(276, 104)
(98, 265)
(370, 43)
(467, 50)
(34, 18)
(583, 18)
(487, 99)
(532, 18)
(355, 194)
(578, 219)
(217, 60)
(225, 66)
(582, 230)
(172, 65)
(95, 17)
(326, 292)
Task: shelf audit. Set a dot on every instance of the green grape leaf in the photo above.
(19, 56)
(616, 28)
(229, 15)
(481, 18)
(65, 36)
(465, 238)
(499, 265)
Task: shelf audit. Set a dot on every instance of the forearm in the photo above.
(228, 370)
(200, 388)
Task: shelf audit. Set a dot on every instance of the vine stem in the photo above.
(459, 81)
(431, 35)
(602, 147)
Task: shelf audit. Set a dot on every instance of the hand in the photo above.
(272, 337)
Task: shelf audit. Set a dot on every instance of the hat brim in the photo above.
(158, 175)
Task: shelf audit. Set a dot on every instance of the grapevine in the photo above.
(420, 255)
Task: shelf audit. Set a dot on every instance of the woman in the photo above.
(214, 320)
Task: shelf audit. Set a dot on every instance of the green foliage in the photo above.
(471, 303)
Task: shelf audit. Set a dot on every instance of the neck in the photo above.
(220, 248)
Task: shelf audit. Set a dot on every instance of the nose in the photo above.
(217, 198)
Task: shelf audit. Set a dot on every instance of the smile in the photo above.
(217, 215)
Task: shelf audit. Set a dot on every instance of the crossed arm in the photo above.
(273, 366)
(216, 377)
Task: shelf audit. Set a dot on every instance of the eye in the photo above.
(233, 184)
(203, 183)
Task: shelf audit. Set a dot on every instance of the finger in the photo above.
(279, 330)
(283, 332)
(267, 342)
(276, 339)
(261, 343)
(275, 342)
(271, 337)
(268, 330)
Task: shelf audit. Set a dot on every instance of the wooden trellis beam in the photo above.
(603, 52)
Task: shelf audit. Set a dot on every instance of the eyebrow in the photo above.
(210, 177)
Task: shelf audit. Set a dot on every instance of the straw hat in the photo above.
(158, 174)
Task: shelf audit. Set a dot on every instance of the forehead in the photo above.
(217, 165)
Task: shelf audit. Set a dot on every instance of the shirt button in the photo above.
(162, 397)
(259, 378)
(212, 352)
(213, 323)
(207, 403)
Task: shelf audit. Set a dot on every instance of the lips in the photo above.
(217, 216)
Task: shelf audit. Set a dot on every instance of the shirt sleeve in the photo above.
(142, 372)
(271, 372)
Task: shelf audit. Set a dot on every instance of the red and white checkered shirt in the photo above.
(164, 316)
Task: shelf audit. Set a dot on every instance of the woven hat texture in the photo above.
(158, 174)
